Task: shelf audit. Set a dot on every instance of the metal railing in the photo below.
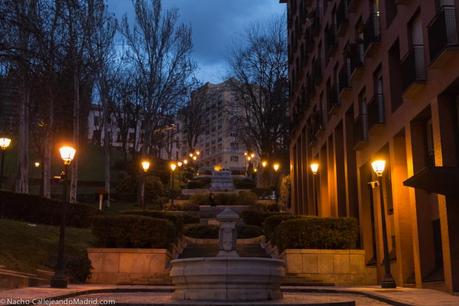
(442, 31)
(413, 66)
(376, 110)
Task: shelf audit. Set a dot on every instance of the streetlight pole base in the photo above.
(59, 282)
(388, 282)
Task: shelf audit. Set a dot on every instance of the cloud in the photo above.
(215, 24)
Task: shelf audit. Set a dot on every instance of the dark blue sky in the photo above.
(216, 25)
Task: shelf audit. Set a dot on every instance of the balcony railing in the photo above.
(372, 30)
(376, 111)
(344, 77)
(332, 99)
(442, 31)
(356, 56)
(413, 67)
(330, 41)
(361, 127)
(342, 16)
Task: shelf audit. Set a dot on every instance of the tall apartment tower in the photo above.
(219, 142)
(379, 79)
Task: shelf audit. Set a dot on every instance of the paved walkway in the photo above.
(160, 294)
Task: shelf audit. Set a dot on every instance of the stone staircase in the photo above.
(10, 279)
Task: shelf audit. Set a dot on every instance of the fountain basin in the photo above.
(227, 278)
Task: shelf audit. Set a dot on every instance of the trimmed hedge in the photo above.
(199, 183)
(317, 233)
(35, 209)
(253, 217)
(210, 231)
(244, 183)
(272, 222)
(225, 198)
(201, 231)
(176, 219)
(131, 231)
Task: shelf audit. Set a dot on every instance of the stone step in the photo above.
(10, 279)
(296, 280)
(210, 250)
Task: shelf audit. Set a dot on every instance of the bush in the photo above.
(207, 231)
(317, 233)
(188, 217)
(182, 206)
(131, 231)
(35, 209)
(272, 221)
(126, 189)
(176, 219)
(268, 206)
(253, 217)
(78, 268)
(248, 231)
(225, 198)
(243, 183)
(199, 183)
(201, 231)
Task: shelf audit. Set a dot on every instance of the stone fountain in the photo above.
(221, 181)
(227, 277)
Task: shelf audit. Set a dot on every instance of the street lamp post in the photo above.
(4, 144)
(388, 281)
(314, 169)
(173, 167)
(276, 167)
(59, 280)
(145, 166)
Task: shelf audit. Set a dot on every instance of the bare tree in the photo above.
(259, 67)
(159, 49)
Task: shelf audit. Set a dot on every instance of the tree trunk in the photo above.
(76, 136)
(106, 151)
(22, 177)
(47, 151)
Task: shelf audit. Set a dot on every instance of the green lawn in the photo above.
(25, 248)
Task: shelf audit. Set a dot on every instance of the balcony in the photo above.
(361, 129)
(330, 41)
(315, 24)
(317, 72)
(342, 17)
(375, 110)
(413, 71)
(443, 37)
(332, 99)
(372, 32)
(356, 57)
(344, 84)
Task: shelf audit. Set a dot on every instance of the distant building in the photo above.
(220, 143)
(380, 79)
(165, 149)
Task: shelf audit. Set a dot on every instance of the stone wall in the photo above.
(129, 266)
(338, 267)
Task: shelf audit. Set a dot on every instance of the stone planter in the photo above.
(339, 267)
(129, 266)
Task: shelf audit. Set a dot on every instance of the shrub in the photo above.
(247, 198)
(225, 198)
(182, 206)
(317, 233)
(243, 183)
(35, 209)
(176, 219)
(78, 268)
(189, 217)
(131, 231)
(199, 183)
(253, 217)
(248, 231)
(126, 189)
(272, 222)
(268, 206)
(201, 231)
(208, 231)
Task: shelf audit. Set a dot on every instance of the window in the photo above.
(234, 158)
(96, 120)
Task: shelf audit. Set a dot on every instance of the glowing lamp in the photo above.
(264, 163)
(145, 165)
(378, 166)
(314, 168)
(173, 166)
(5, 143)
(276, 167)
(37, 164)
(67, 154)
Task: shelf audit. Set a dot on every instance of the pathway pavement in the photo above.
(296, 294)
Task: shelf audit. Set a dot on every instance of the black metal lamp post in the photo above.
(314, 169)
(388, 280)
(173, 167)
(59, 280)
(4, 144)
(145, 166)
(276, 167)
